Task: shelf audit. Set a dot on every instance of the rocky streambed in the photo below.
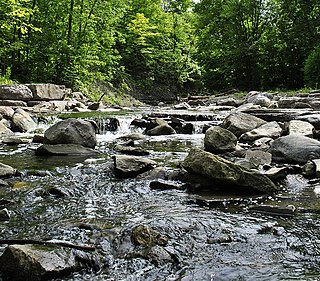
(224, 190)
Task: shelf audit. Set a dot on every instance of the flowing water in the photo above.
(80, 200)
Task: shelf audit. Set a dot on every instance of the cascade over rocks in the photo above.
(74, 131)
(295, 149)
(223, 171)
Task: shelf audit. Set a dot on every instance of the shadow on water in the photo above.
(81, 201)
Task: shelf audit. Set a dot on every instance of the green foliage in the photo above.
(312, 69)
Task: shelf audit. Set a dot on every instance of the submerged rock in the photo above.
(64, 149)
(295, 149)
(224, 171)
(131, 166)
(71, 131)
(33, 263)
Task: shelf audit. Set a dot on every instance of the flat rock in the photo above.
(130, 150)
(46, 91)
(64, 150)
(131, 166)
(300, 127)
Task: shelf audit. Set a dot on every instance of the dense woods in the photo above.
(171, 45)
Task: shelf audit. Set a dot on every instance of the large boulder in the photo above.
(300, 127)
(295, 149)
(131, 166)
(15, 92)
(22, 121)
(219, 140)
(72, 130)
(270, 130)
(35, 263)
(225, 172)
(6, 170)
(4, 130)
(239, 123)
(47, 91)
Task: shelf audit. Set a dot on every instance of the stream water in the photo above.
(209, 241)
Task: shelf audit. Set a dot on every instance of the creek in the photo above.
(212, 237)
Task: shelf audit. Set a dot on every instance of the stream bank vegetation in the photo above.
(162, 49)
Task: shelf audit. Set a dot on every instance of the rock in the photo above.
(263, 143)
(258, 98)
(148, 237)
(239, 123)
(71, 131)
(276, 173)
(219, 140)
(159, 256)
(7, 112)
(309, 169)
(35, 263)
(141, 123)
(286, 211)
(313, 119)
(46, 91)
(15, 92)
(4, 215)
(131, 166)
(181, 106)
(270, 130)
(133, 136)
(37, 138)
(131, 150)
(7, 171)
(22, 121)
(300, 127)
(13, 103)
(165, 185)
(317, 166)
(160, 130)
(64, 150)
(229, 102)
(295, 149)
(4, 130)
(95, 106)
(224, 171)
(258, 157)
(14, 141)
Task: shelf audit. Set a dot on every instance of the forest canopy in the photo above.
(175, 45)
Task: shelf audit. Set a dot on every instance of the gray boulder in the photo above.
(219, 140)
(72, 130)
(313, 119)
(239, 123)
(64, 150)
(270, 130)
(4, 130)
(6, 170)
(6, 111)
(15, 92)
(295, 149)
(22, 121)
(46, 91)
(223, 171)
(131, 166)
(33, 263)
(258, 157)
